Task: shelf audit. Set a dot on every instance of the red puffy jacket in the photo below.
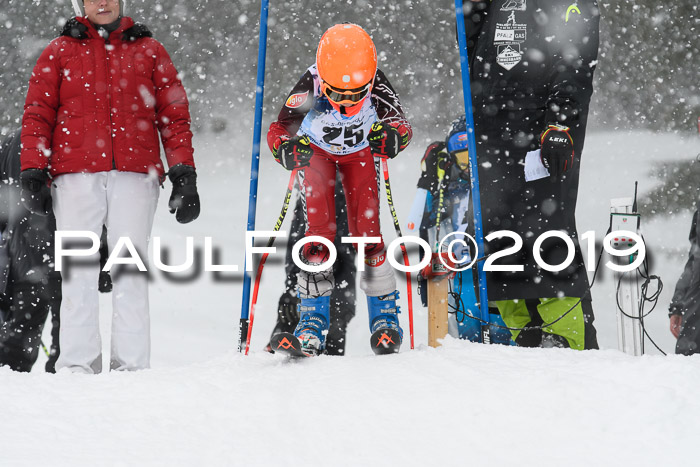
(96, 105)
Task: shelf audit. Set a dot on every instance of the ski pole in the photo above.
(404, 252)
(441, 200)
(474, 169)
(43, 346)
(270, 243)
(254, 164)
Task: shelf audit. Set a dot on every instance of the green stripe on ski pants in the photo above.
(571, 327)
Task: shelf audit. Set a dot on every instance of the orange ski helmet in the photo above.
(347, 63)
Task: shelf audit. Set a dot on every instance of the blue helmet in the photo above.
(457, 139)
(457, 143)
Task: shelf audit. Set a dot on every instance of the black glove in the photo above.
(184, 199)
(287, 312)
(104, 283)
(557, 149)
(35, 194)
(384, 140)
(294, 153)
(433, 167)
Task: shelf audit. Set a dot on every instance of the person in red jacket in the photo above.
(99, 96)
(341, 113)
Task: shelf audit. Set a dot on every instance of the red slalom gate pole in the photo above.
(270, 243)
(397, 227)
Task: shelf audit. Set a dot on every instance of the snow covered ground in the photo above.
(464, 403)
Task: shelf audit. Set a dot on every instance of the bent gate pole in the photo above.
(254, 167)
(473, 169)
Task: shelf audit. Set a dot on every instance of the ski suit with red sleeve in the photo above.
(340, 144)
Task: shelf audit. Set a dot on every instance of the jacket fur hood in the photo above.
(78, 30)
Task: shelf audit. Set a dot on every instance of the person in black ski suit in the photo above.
(30, 289)
(531, 64)
(342, 308)
(684, 311)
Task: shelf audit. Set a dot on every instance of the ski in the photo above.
(287, 343)
(385, 341)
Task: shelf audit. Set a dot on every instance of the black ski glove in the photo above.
(294, 153)
(557, 150)
(435, 158)
(35, 194)
(384, 140)
(184, 200)
(104, 282)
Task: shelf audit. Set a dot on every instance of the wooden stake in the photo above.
(437, 309)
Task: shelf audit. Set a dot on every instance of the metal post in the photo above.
(629, 329)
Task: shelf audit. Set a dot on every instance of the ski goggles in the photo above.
(345, 97)
(462, 159)
(457, 146)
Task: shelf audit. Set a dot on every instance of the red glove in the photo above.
(384, 140)
(436, 269)
(294, 152)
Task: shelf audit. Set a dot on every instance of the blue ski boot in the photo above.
(309, 338)
(384, 323)
(314, 318)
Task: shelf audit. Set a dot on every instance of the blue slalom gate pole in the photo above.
(473, 169)
(254, 166)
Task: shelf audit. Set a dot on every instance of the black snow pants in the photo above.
(24, 307)
(343, 295)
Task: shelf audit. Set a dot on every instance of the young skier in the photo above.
(444, 189)
(341, 113)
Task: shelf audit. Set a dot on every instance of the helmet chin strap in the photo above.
(355, 109)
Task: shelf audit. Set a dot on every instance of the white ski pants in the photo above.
(125, 202)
